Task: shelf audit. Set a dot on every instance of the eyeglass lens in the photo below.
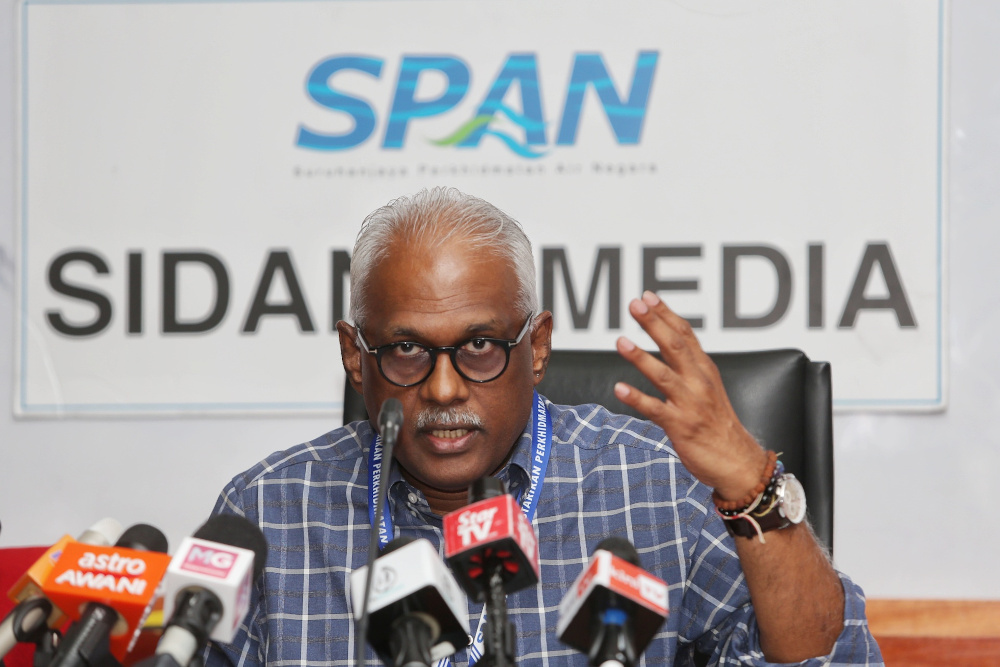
(478, 360)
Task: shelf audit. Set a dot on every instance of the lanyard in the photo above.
(541, 440)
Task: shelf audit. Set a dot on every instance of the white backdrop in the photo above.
(913, 491)
(792, 133)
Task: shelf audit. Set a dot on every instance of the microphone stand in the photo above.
(390, 420)
(499, 637)
(29, 624)
(613, 646)
(86, 642)
(410, 640)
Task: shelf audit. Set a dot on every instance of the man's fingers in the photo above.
(663, 377)
(671, 332)
(653, 409)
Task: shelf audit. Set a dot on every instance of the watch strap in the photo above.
(765, 513)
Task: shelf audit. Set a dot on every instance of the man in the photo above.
(445, 319)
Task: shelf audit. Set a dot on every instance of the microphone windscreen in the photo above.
(143, 537)
(236, 531)
(622, 548)
(397, 544)
(485, 488)
(390, 417)
(104, 533)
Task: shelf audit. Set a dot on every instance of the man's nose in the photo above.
(444, 385)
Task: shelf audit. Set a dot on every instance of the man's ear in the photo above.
(541, 345)
(350, 354)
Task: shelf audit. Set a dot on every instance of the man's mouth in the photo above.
(448, 434)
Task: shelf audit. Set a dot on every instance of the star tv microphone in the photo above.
(614, 607)
(108, 591)
(35, 616)
(206, 590)
(416, 608)
(493, 550)
(390, 421)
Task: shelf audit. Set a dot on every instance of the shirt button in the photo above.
(412, 498)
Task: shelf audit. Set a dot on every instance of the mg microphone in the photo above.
(416, 608)
(614, 607)
(108, 591)
(493, 550)
(206, 590)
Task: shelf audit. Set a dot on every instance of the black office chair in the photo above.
(783, 399)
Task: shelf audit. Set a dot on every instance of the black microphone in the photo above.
(417, 608)
(206, 590)
(390, 421)
(613, 608)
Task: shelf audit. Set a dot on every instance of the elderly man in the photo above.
(445, 319)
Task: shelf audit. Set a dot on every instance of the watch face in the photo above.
(793, 499)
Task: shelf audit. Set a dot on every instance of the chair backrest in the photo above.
(783, 399)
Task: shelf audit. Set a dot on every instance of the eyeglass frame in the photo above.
(452, 350)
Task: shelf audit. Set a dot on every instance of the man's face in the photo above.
(437, 297)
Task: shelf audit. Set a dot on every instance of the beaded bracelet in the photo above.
(758, 507)
(764, 501)
(738, 506)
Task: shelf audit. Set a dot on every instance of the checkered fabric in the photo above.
(608, 475)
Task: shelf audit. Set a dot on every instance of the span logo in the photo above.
(507, 113)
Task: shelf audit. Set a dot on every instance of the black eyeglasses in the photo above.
(477, 360)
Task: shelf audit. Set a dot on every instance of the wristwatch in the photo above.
(782, 506)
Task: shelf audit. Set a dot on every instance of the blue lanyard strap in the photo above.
(375, 473)
(541, 440)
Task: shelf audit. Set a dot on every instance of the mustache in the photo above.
(465, 417)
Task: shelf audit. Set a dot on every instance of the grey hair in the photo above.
(432, 218)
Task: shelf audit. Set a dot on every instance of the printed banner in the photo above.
(193, 175)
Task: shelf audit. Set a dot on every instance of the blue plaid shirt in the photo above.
(608, 475)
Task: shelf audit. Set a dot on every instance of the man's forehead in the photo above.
(447, 326)
(455, 264)
(442, 293)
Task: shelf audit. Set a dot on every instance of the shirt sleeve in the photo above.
(246, 648)
(736, 641)
(719, 617)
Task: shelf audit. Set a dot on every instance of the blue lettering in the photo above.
(523, 68)
(405, 106)
(626, 118)
(319, 89)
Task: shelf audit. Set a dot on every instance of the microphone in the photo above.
(206, 590)
(34, 615)
(416, 607)
(108, 591)
(390, 421)
(613, 608)
(493, 550)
